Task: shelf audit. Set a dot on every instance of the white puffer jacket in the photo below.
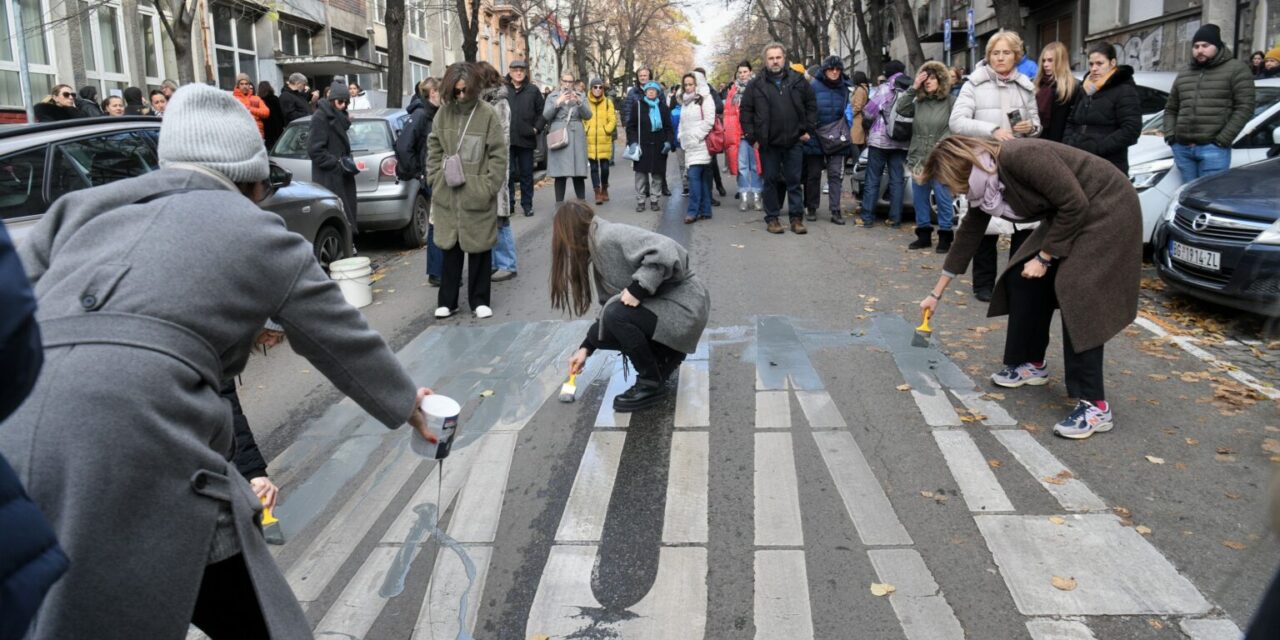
(983, 105)
(695, 123)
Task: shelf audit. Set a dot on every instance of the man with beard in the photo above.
(1210, 103)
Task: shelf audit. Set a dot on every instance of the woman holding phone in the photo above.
(566, 109)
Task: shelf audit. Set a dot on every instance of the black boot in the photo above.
(924, 238)
(944, 241)
(643, 395)
(837, 218)
(811, 215)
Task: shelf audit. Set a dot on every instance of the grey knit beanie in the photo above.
(208, 127)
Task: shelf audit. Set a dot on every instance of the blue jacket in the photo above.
(30, 559)
(676, 108)
(833, 104)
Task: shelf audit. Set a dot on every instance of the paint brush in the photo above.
(923, 332)
(569, 389)
(271, 530)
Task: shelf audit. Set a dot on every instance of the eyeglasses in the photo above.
(458, 92)
(67, 94)
(596, 86)
(1003, 52)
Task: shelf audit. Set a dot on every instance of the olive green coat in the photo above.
(931, 114)
(467, 216)
(1210, 103)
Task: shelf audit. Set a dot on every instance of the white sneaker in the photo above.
(483, 312)
(444, 312)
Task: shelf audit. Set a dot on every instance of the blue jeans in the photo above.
(749, 179)
(1200, 160)
(504, 252)
(941, 196)
(877, 161)
(699, 191)
(435, 256)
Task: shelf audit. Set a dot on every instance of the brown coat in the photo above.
(857, 135)
(1092, 223)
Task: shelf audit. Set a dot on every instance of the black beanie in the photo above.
(894, 67)
(1209, 33)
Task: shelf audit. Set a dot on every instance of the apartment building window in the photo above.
(295, 40)
(445, 29)
(349, 47)
(418, 71)
(39, 47)
(234, 44)
(152, 44)
(417, 22)
(101, 30)
(379, 11)
(380, 80)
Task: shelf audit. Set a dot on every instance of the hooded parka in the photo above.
(466, 216)
(1108, 122)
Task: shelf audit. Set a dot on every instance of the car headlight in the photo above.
(1172, 209)
(1271, 235)
(1149, 174)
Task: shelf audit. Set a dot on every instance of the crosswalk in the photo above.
(385, 544)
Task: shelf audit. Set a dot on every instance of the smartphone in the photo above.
(1015, 117)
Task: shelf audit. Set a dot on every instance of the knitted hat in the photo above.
(894, 67)
(1273, 54)
(209, 127)
(1208, 33)
(832, 62)
(339, 90)
(596, 81)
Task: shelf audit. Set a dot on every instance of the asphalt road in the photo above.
(814, 476)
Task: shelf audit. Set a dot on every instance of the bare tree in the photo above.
(905, 16)
(177, 17)
(1008, 14)
(394, 19)
(872, 39)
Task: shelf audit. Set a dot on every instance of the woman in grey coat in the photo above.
(151, 291)
(568, 108)
(653, 307)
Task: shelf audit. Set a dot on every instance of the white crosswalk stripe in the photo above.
(1125, 574)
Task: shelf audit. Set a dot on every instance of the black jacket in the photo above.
(421, 115)
(135, 103)
(294, 104)
(1055, 125)
(526, 115)
(30, 559)
(652, 159)
(274, 124)
(775, 112)
(50, 112)
(247, 457)
(1107, 123)
(326, 147)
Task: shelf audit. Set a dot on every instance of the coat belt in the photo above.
(131, 330)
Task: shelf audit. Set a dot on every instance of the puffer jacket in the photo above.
(832, 105)
(1108, 122)
(1210, 103)
(600, 128)
(696, 120)
(257, 108)
(984, 104)
(466, 216)
(931, 113)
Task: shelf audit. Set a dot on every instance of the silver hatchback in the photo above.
(383, 202)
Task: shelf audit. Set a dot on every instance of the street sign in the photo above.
(946, 34)
(973, 37)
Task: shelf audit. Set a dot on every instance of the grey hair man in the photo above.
(294, 99)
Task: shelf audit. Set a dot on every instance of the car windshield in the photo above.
(366, 136)
(1267, 98)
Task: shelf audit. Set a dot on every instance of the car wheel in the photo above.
(328, 246)
(414, 234)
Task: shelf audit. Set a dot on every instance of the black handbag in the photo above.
(833, 137)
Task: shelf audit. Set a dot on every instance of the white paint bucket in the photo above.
(442, 422)
(354, 277)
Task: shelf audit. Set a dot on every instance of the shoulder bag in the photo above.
(454, 176)
(559, 138)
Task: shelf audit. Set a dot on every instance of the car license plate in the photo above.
(1211, 260)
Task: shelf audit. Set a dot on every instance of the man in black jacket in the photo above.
(526, 122)
(778, 113)
(294, 101)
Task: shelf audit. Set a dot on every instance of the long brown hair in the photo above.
(953, 159)
(571, 257)
(1064, 82)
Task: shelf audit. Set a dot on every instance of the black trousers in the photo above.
(479, 268)
(599, 173)
(579, 188)
(1266, 621)
(630, 330)
(782, 170)
(227, 606)
(521, 170)
(715, 173)
(984, 261)
(1031, 305)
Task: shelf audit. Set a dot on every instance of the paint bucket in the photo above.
(354, 277)
(442, 422)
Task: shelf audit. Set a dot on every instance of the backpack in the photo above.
(408, 163)
(897, 126)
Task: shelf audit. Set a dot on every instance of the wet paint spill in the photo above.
(427, 526)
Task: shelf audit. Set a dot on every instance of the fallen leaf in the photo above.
(1233, 545)
(926, 494)
(993, 396)
(1122, 512)
(1144, 530)
(1232, 496)
(1192, 441)
(881, 589)
(1155, 624)
(1157, 376)
(1155, 460)
(1030, 426)
(1226, 451)
(903, 387)
(994, 464)
(486, 393)
(1064, 584)
(1271, 445)
(1057, 519)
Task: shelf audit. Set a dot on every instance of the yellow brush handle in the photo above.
(573, 379)
(924, 326)
(267, 518)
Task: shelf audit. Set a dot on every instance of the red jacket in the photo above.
(733, 132)
(257, 108)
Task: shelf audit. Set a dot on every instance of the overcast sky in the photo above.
(709, 17)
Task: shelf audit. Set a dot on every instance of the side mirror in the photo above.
(280, 177)
(1275, 136)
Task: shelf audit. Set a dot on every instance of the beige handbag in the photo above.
(454, 175)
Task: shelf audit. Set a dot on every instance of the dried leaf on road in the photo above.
(1122, 512)
(1155, 460)
(1060, 478)
(1232, 496)
(1057, 519)
(1271, 445)
(926, 494)
(1157, 376)
(1226, 451)
(1064, 584)
(1192, 441)
(881, 589)
(1155, 624)
(486, 393)
(1144, 530)
(994, 464)
(1030, 426)
(1233, 545)
(993, 396)
(903, 387)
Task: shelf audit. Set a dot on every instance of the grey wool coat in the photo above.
(571, 161)
(497, 98)
(622, 254)
(125, 442)
(1091, 222)
(467, 216)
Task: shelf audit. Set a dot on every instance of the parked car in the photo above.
(40, 162)
(383, 202)
(1153, 93)
(1219, 238)
(1154, 175)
